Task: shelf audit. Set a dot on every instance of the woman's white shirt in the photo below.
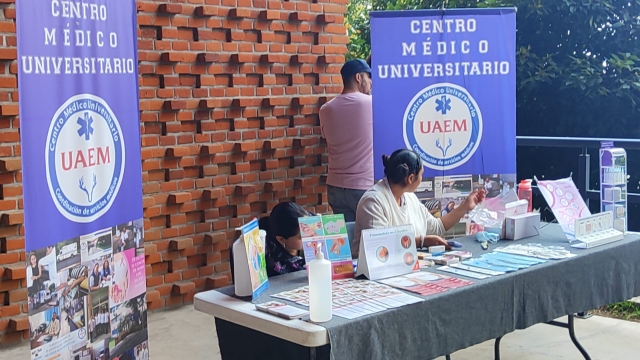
(378, 209)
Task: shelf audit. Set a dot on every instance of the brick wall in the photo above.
(229, 96)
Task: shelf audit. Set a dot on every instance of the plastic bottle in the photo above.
(320, 297)
(525, 193)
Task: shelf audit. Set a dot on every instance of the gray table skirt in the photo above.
(489, 308)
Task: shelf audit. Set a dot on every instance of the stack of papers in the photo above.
(353, 299)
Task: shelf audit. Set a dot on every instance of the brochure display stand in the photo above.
(613, 184)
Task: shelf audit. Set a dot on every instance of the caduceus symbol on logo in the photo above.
(84, 188)
(86, 131)
(444, 149)
(443, 105)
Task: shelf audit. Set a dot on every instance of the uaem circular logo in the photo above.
(443, 124)
(85, 158)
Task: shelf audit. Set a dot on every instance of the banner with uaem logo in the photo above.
(80, 141)
(444, 85)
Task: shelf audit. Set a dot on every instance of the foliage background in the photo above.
(578, 73)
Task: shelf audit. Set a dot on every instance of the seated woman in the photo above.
(392, 202)
(284, 242)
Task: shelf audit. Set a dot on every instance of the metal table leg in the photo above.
(572, 334)
(496, 349)
(447, 357)
(312, 353)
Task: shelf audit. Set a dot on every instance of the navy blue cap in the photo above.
(353, 67)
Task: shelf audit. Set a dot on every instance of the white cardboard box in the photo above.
(522, 226)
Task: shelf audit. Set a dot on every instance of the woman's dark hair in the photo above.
(283, 221)
(400, 165)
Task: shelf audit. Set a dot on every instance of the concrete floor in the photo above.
(184, 331)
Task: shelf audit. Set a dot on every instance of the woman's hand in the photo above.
(475, 198)
(435, 240)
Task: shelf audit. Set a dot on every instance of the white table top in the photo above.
(244, 313)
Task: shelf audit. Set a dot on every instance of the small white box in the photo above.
(522, 226)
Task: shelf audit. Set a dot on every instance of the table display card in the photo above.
(387, 252)
(255, 249)
(565, 202)
(331, 232)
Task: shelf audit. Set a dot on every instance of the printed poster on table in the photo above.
(445, 87)
(255, 248)
(80, 141)
(387, 252)
(330, 232)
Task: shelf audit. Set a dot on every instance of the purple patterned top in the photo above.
(279, 261)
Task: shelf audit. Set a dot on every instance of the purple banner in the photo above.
(445, 87)
(81, 171)
(79, 116)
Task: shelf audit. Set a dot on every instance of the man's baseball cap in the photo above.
(353, 67)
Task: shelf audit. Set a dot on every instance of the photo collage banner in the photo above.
(80, 141)
(445, 87)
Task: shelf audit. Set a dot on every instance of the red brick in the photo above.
(9, 109)
(179, 198)
(239, 13)
(207, 57)
(180, 244)
(170, 8)
(245, 189)
(216, 282)
(15, 273)
(12, 218)
(183, 288)
(212, 194)
(206, 10)
(19, 324)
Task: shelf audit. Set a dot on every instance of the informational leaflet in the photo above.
(387, 252)
(353, 298)
(425, 283)
(565, 202)
(255, 248)
(330, 232)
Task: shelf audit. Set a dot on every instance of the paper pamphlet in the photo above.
(387, 252)
(565, 202)
(282, 310)
(255, 249)
(425, 283)
(331, 232)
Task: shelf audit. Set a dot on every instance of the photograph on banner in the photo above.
(128, 236)
(100, 272)
(42, 278)
(129, 278)
(139, 352)
(99, 323)
(453, 102)
(64, 347)
(100, 350)
(96, 245)
(128, 325)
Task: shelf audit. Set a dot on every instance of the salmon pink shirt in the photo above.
(347, 125)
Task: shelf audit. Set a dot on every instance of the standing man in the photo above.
(347, 125)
